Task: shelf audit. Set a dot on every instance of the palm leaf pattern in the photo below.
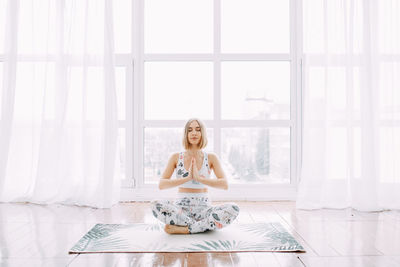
(273, 238)
(146, 227)
(259, 237)
(157, 246)
(275, 233)
(258, 229)
(220, 245)
(99, 236)
(114, 243)
(226, 245)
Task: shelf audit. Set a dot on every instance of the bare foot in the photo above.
(175, 229)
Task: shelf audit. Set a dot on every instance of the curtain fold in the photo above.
(59, 110)
(351, 112)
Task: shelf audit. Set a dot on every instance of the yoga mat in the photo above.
(142, 237)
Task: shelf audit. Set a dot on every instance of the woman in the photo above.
(192, 212)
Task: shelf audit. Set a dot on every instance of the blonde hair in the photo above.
(203, 141)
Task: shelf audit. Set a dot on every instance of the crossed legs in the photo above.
(193, 219)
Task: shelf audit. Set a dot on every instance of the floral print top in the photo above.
(181, 172)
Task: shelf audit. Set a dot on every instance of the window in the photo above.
(342, 78)
(42, 25)
(177, 59)
(196, 59)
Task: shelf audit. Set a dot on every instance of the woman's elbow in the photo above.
(161, 185)
(225, 186)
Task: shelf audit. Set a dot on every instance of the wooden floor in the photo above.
(37, 235)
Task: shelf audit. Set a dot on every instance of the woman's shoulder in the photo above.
(212, 156)
(174, 156)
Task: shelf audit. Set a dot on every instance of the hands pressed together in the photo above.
(194, 172)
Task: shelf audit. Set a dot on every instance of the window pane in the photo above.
(122, 19)
(120, 84)
(37, 26)
(389, 93)
(256, 155)
(389, 25)
(34, 88)
(3, 6)
(255, 90)
(313, 23)
(336, 27)
(337, 148)
(329, 90)
(85, 96)
(255, 26)
(1, 87)
(178, 26)
(159, 144)
(389, 154)
(178, 90)
(122, 151)
(84, 27)
(331, 28)
(357, 151)
(75, 98)
(95, 99)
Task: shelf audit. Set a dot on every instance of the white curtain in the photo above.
(58, 103)
(351, 105)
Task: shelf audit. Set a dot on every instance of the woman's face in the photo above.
(194, 133)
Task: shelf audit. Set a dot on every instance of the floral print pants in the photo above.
(195, 212)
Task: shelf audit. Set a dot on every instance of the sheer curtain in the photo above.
(351, 105)
(58, 103)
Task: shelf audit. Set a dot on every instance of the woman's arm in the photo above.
(165, 180)
(221, 182)
(166, 183)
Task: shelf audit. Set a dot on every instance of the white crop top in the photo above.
(181, 172)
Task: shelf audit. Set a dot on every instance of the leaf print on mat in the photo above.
(238, 237)
(274, 234)
(223, 245)
(99, 233)
(154, 213)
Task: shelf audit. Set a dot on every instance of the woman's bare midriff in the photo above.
(192, 190)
